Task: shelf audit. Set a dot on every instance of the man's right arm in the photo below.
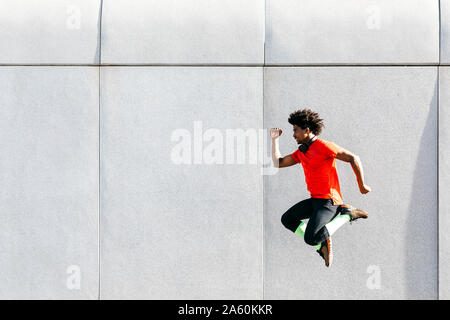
(278, 160)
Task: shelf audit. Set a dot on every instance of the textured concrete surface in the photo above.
(49, 184)
(352, 31)
(49, 31)
(445, 31)
(178, 231)
(183, 32)
(206, 230)
(387, 116)
(444, 182)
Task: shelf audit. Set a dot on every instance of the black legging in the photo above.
(318, 211)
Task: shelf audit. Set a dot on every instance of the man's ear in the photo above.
(307, 131)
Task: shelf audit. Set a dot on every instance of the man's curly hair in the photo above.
(307, 118)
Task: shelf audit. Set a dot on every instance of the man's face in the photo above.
(300, 135)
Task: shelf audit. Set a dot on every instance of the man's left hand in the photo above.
(364, 189)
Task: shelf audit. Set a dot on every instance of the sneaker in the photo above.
(354, 213)
(326, 251)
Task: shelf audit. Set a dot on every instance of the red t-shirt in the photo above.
(319, 165)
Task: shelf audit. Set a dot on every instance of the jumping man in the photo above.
(325, 209)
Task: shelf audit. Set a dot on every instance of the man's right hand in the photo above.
(275, 133)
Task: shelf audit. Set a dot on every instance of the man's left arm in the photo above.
(355, 161)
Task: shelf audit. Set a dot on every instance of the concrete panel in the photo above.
(183, 32)
(445, 31)
(444, 182)
(49, 32)
(352, 32)
(49, 183)
(387, 116)
(179, 231)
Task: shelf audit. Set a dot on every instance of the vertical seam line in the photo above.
(437, 149)
(263, 177)
(99, 148)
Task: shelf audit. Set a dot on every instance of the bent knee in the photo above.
(310, 240)
(288, 222)
(285, 220)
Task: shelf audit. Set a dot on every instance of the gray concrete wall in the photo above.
(352, 32)
(393, 130)
(50, 32)
(49, 198)
(122, 178)
(183, 32)
(445, 31)
(178, 230)
(444, 181)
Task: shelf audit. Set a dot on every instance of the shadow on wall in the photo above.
(97, 57)
(422, 237)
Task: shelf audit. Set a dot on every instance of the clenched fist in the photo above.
(275, 133)
(365, 189)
